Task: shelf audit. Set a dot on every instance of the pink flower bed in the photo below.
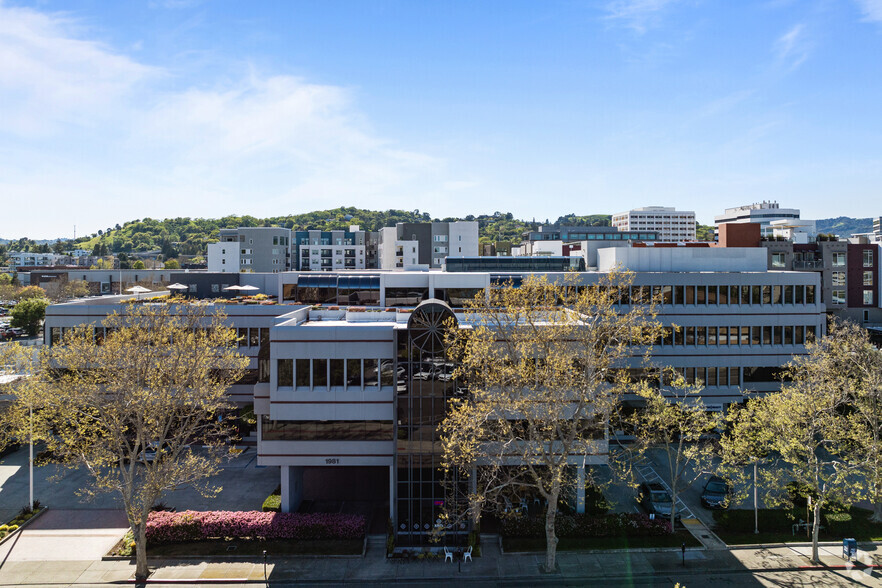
(175, 527)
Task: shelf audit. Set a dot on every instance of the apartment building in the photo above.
(426, 245)
(669, 224)
(331, 250)
(251, 249)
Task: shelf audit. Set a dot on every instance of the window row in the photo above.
(755, 335)
(756, 295)
(253, 336)
(326, 430)
(325, 373)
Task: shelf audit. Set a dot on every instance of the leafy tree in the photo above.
(104, 410)
(853, 363)
(541, 366)
(30, 292)
(28, 314)
(673, 422)
(172, 264)
(138, 265)
(57, 291)
(804, 431)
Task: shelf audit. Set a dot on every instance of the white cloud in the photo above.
(792, 48)
(637, 14)
(871, 9)
(84, 124)
(48, 76)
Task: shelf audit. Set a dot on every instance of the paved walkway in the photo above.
(745, 566)
(66, 535)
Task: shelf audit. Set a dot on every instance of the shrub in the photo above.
(838, 523)
(273, 503)
(742, 521)
(586, 525)
(166, 527)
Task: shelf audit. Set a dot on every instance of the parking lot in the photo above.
(244, 487)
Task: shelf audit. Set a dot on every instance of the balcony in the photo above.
(814, 264)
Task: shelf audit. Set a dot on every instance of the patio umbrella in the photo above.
(181, 288)
(248, 288)
(233, 287)
(138, 290)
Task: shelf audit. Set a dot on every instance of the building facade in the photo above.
(762, 213)
(669, 224)
(251, 249)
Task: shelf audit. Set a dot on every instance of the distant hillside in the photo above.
(845, 226)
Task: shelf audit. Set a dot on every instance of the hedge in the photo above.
(586, 525)
(176, 527)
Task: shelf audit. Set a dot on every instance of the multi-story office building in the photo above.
(251, 249)
(352, 391)
(413, 245)
(670, 225)
(331, 250)
(758, 212)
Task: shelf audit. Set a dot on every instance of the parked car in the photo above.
(716, 493)
(655, 499)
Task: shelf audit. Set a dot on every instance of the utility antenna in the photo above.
(75, 232)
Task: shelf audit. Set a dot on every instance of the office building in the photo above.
(670, 225)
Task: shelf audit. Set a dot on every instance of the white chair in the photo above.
(448, 555)
(467, 555)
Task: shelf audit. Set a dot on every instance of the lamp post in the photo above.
(31, 456)
(755, 503)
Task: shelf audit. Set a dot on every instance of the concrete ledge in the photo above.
(24, 525)
(221, 558)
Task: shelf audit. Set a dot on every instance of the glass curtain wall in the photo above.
(425, 384)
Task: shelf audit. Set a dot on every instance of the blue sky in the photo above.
(112, 111)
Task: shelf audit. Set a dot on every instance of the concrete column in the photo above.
(392, 492)
(580, 489)
(292, 487)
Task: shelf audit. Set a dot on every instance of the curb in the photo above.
(24, 525)
(223, 558)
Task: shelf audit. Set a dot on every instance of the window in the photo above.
(838, 297)
(778, 260)
(319, 373)
(285, 373)
(868, 258)
(839, 259)
(353, 373)
(838, 278)
(868, 278)
(337, 372)
(302, 373)
(809, 294)
(868, 297)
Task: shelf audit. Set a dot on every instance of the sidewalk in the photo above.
(612, 568)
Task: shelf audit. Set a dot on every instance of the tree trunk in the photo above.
(877, 512)
(140, 533)
(673, 506)
(816, 526)
(550, 536)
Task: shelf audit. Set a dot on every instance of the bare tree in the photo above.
(544, 367)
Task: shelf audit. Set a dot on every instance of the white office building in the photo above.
(670, 225)
(759, 212)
